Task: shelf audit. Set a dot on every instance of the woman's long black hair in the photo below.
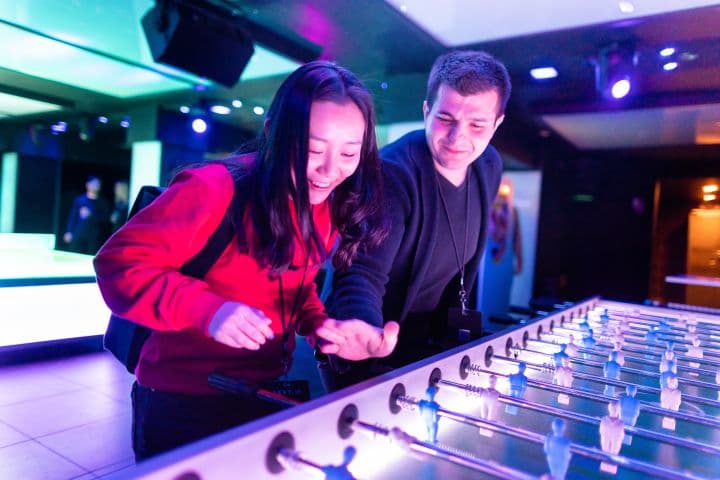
(355, 204)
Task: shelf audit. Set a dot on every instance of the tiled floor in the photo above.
(70, 418)
(65, 419)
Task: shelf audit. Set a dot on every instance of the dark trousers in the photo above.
(163, 421)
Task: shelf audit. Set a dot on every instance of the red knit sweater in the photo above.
(138, 274)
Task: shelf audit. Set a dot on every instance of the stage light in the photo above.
(614, 70)
(620, 88)
(199, 125)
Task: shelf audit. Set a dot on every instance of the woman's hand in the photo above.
(356, 339)
(239, 326)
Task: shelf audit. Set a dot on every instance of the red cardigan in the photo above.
(138, 274)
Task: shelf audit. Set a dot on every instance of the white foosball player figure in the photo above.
(563, 376)
(670, 398)
(694, 351)
(570, 348)
(557, 450)
(668, 365)
(612, 432)
(489, 402)
(620, 357)
(692, 333)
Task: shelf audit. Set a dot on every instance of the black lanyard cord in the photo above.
(461, 263)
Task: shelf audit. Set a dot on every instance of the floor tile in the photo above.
(60, 412)
(95, 445)
(30, 460)
(116, 468)
(92, 369)
(29, 382)
(119, 390)
(9, 435)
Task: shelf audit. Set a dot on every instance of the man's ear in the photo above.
(426, 109)
(499, 121)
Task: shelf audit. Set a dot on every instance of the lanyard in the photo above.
(288, 327)
(461, 264)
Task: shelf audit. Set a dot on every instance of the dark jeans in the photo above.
(163, 421)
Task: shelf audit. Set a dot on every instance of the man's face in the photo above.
(459, 128)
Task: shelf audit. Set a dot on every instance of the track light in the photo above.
(615, 70)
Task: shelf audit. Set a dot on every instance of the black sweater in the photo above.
(382, 284)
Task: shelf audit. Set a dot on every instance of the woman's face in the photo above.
(334, 146)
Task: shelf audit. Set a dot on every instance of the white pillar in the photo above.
(145, 166)
(8, 191)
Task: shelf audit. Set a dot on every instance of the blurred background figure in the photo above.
(120, 208)
(88, 215)
(503, 253)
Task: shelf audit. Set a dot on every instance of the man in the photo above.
(88, 216)
(439, 184)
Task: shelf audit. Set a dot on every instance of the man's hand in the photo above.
(240, 326)
(356, 339)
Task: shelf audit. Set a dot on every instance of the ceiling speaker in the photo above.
(197, 41)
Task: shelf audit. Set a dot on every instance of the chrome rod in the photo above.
(585, 451)
(426, 449)
(649, 407)
(570, 415)
(549, 367)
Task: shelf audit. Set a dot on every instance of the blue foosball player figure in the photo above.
(340, 472)
(557, 450)
(558, 356)
(611, 371)
(518, 385)
(429, 412)
(629, 409)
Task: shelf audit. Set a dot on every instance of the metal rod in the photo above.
(426, 449)
(635, 371)
(560, 412)
(637, 359)
(549, 367)
(650, 408)
(585, 451)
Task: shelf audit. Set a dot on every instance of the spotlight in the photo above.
(199, 125)
(614, 70)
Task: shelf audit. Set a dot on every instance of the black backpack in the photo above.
(125, 338)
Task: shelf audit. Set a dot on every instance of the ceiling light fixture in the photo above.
(237, 103)
(667, 51)
(626, 7)
(669, 66)
(543, 73)
(614, 70)
(220, 109)
(258, 110)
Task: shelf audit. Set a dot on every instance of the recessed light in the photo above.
(237, 103)
(667, 51)
(626, 7)
(220, 109)
(670, 66)
(258, 110)
(542, 73)
(689, 56)
(184, 109)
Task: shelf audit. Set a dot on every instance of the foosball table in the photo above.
(599, 389)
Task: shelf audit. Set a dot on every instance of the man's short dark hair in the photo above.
(469, 72)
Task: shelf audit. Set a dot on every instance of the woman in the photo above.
(314, 177)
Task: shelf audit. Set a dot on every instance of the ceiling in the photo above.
(90, 57)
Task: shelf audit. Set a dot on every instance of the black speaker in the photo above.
(197, 41)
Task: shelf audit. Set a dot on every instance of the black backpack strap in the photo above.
(201, 263)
